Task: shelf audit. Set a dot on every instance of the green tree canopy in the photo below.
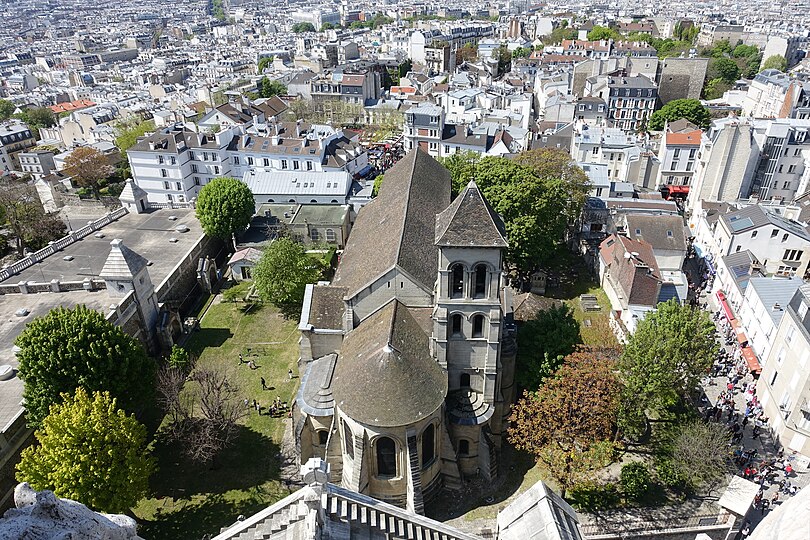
(504, 57)
(282, 274)
(303, 27)
(21, 211)
(665, 358)
(602, 32)
(775, 62)
(723, 68)
(462, 168)
(326, 26)
(521, 52)
(264, 61)
(38, 117)
(69, 348)
(90, 451)
(377, 183)
(743, 51)
(7, 108)
(268, 88)
(715, 89)
(691, 109)
(224, 207)
(569, 422)
(128, 131)
(543, 344)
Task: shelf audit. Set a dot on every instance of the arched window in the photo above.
(271, 201)
(463, 447)
(455, 325)
(334, 201)
(428, 446)
(292, 200)
(480, 281)
(464, 380)
(478, 326)
(313, 201)
(315, 235)
(348, 440)
(323, 436)
(330, 235)
(386, 457)
(456, 281)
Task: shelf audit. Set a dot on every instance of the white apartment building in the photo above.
(678, 155)
(609, 146)
(783, 146)
(763, 306)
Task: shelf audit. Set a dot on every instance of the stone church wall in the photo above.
(392, 285)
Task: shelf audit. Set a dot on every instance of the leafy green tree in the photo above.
(7, 108)
(504, 57)
(88, 167)
(377, 183)
(224, 207)
(265, 61)
(715, 89)
(569, 422)
(282, 274)
(721, 49)
(599, 33)
(723, 68)
(324, 27)
(22, 213)
(268, 88)
(69, 348)
(179, 358)
(521, 52)
(543, 344)
(90, 451)
(128, 131)
(744, 51)
(665, 358)
(467, 53)
(691, 109)
(301, 27)
(635, 480)
(462, 168)
(39, 117)
(775, 62)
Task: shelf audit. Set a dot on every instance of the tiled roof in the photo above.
(691, 138)
(470, 222)
(122, 262)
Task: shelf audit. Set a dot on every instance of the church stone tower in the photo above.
(468, 321)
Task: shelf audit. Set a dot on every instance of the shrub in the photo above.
(179, 358)
(669, 475)
(635, 480)
(591, 496)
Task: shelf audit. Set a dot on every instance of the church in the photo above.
(407, 361)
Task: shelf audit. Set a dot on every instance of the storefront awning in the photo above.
(751, 359)
(724, 305)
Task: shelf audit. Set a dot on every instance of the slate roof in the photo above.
(122, 262)
(470, 222)
(385, 375)
(315, 394)
(132, 192)
(327, 308)
(398, 227)
(661, 232)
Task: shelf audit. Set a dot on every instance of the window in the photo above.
(456, 281)
(173, 160)
(194, 168)
(236, 160)
(314, 235)
(166, 185)
(595, 150)
(178, 186)
(428, 446)
(738, 249)
(480, 281)
(205, 156)
(676, 153)
(792, 169)
(784, 237)
(455, 325)
(191, 155)
(464, 380)
(164, 173)
(773, 378)
(463, 447)
(790, 334)
(196, 180)
(216, 169)
(250, 160)
(754, 234)
(283, 163)
(296, 165)
(160, 159)
(478, 326)
(266, 162)
(348, 440)
(309, 165)
(330, 235)
(386, 457)
(781, 356)
(323, 436)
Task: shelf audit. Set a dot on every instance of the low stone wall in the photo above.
(30, 287)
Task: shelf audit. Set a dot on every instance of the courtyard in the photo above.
(188, 500)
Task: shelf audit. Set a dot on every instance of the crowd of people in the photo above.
(277, 408)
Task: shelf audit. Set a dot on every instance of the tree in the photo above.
(715, 89)
(7, 108)
(24, 216)
(324, 27)
(568, 423)
(665, 358)
(219, 402)
(462, 168)
(179, 358)
(265, 61)
(543, 344)
(723, 68)
(744, 51)
(128, 131)
(521, 52)
(224, 207)
(467, 53)
(69, 348)
(87, 167)
(700, 453)
(40, 117)
(504, 58)
(301, 27)
(635, 480)
(775, 62)
(268, 88)
(691, 109)
(599, 33)
(282, 274)
(721, 49)
(377, 183)
(90, 451)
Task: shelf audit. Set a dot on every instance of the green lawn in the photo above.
(189, 500)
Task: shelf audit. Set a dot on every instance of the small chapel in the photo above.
(407, 359)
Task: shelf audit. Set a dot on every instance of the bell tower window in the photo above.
(456, 281)
(480, 281)
(464, 380)
(428, 446)
(386, 457)
(478, 326)
(455, 325)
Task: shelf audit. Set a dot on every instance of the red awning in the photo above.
(678, 189)
(724, 304)
(751, 359)
(742, 339)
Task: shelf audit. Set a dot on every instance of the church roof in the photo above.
(122, 262)
(470, 222)
(315, 394)
(398, 227)
(385, 375)
(132, 192)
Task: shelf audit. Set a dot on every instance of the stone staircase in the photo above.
(415, 471)
(273, 522)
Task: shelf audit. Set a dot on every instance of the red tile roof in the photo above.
(691, 138)
(70, 106)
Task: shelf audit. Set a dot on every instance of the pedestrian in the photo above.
(264, 384)
(746, 530)
(755, 432)
(241, 360)
(765, 504)
(252, 365)
(255, 404)
(774, 498)
(745, 421)
(289, 374)
(247, 402)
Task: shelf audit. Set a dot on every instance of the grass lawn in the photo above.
(189, 500)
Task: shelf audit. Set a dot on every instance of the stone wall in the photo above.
(681, 78)
(180, 289)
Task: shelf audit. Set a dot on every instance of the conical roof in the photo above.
(470, 221)
(385, 375)
(122, 262)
